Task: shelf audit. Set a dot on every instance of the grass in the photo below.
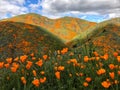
(83, 69)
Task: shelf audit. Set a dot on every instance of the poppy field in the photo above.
(64, 69)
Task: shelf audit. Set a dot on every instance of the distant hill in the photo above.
(105, 35)
(65, 28)
(20, 38)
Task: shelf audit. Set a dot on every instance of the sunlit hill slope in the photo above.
(65, 28)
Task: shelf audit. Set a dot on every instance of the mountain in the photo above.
(19, 38)
(65, 28)
(105, 35)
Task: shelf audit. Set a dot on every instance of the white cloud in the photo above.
(91, 7)
(12, 7)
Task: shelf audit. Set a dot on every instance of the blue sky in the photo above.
(92, 10)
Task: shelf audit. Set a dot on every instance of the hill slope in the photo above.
(19, 38)
(65, 28)
(105, 35)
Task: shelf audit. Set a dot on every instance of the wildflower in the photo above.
(118, 58)
(42, 72)
(58, 51)
(116, 82)
(15, 65)
(105, 84)
(13, 69)
(105, 57)
(1, 64)
(85, 84)
(55, 68)
(115, 54)
(88, 79)
(81, 74)
(39, 63)
(111, 66)
(61, 68)
(23, 80)
(96, 54)
(32, 54)
(101, 71)
(64, 50)
(70, 75)
(42, 80)
(23, 58)
(7, 65)
(34, 73)
(57, 74)
(16, 59)
(73, 61)
(112, 75)
(86, 58)
(71, 54)
(77, 74)
(33, 58)
(97, 58)
(9, 60)
(45, 57)
(118, 72)
(100, 64)
(36, 82)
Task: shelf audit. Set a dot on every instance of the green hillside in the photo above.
(105, 35)
(65, 28)
(19, 38)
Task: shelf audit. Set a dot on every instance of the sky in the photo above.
(92, 10)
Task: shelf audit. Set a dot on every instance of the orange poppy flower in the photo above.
(105, 84)
(16, 65)
(33, 58)
(118, 72)
(88, 79)
(64, 50)
(23, 58)
(42, 80)
(81, 74)
(61, 68)
(13, 69)
(32, 54)
(36, 82)
(115, 54)
(101, 71)
(86, 58)
(73, 61)
(112, 75)
(1, 64)
(39, 63)
(42, 72)
(23, 80)
(29, 64)
(9, 60)
(105, 57)
(16, 59)
(7, 65)
(85, 84)
(96, 54)
(57, 74)
(111, 66)
(34, 73)
(45, 57)
(118, 58)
